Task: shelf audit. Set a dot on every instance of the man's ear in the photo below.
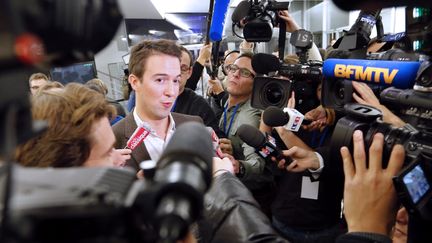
(133, 81)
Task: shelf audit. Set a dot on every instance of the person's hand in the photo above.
(215, 87)
(318, 116)
(302, 159)
(205, 54)
(120, 156)
(400, 229)
(366, 96)
(235, 163)
(226, 146)
(369, 195)
(291, 25)
(291, 101)
(222, 165)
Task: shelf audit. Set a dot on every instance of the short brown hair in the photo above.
(70, 114)
(97, 85)
(51, 85)
(38, 76)
(142, 51)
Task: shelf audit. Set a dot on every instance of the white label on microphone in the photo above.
(295, 119)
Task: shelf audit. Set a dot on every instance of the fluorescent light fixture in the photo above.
(177, 21)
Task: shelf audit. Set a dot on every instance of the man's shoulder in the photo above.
(119, 127)
(182, 118)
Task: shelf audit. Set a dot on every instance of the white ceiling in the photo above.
(151, 9)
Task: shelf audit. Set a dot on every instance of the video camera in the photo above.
(109, 204)
(409, 74)
(259, 17)
(303, 78)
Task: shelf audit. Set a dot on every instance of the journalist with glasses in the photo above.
(237, 110)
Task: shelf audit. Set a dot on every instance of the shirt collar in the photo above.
(146, 125)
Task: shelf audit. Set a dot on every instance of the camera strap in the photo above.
(282, 38)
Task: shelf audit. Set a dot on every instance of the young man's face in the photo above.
(240, 81)
(158, 88)
(35, 84)
(186, 70)
(102, 152)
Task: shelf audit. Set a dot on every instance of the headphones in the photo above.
(225, 57)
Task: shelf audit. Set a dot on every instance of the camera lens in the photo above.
(273, 94)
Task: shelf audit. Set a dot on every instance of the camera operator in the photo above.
(370, 200)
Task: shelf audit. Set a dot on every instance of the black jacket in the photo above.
(232, 215)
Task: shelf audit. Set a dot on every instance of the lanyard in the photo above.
(231, 120)
(314, 135)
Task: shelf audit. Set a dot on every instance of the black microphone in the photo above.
(274, 117)
(265, 63)
(264, 147)
(185, 172)
(240, 12)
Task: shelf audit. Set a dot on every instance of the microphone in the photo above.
(265, 63)
(218, 19)
(398, 74)
(290, 118)
(264, 147)
(240, 12)
(137, 137)
(185, 174)
(215, 142)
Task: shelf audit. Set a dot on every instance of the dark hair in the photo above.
(183, 49)
(142, 51)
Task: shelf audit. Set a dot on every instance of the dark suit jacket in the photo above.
(125, 128)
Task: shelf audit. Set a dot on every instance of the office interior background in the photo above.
(185, 21)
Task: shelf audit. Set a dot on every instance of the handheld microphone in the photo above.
(398, 74)
(218, 19)
(215, 142)
(289, 118)
(137, 137)
(264, 146)
(240, 12)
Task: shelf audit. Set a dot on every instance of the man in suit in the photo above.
(155, 73)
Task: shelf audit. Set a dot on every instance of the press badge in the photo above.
(309, 189)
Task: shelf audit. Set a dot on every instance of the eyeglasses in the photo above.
(184, 68)
(244, 72)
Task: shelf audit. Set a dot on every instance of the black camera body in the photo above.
(301, 78)
(417, 145)
(261, 19)
(268, 91)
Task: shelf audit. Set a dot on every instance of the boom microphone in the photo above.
(398, 74)
(291, 119)
(265, 63)
(218, 19)
(241, 11)
(264, 147)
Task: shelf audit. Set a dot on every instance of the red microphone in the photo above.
(215, 141)
(137, 137)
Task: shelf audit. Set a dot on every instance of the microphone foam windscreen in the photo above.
(218, 19)
(240, 11)
(275, 117)
(265, 63)
(251, 135)
(191, 140)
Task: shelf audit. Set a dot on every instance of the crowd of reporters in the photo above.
(295, 199)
